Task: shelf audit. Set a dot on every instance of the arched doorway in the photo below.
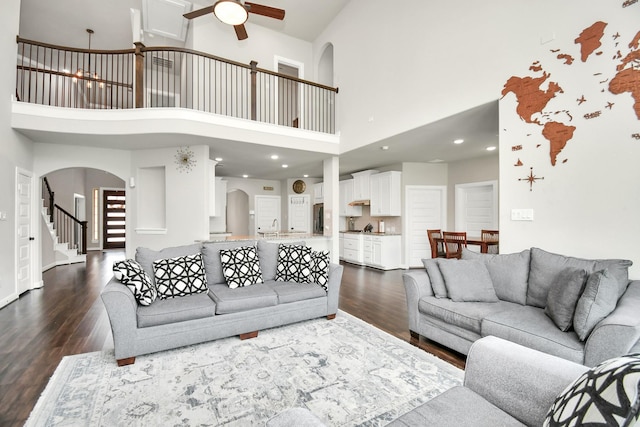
(237, 212)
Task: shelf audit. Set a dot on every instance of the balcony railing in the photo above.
(157, 77)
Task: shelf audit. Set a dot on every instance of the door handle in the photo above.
(32, 238)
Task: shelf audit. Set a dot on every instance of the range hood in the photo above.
(360, 203)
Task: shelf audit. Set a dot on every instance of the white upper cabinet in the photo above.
(346, 197)
(385, 194)
(361, 184)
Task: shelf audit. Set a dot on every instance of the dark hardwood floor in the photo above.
(67, 317)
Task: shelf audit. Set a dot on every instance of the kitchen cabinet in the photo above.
(361, 184)
(346, 197)
(380, 251)
(385, 194)
(341, 245)
(353, 248)
(318, 192)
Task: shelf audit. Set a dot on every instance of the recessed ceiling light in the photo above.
(306, 175)
(274, 157)
(218, 159)
(384, 147)
(458, 141)
(285, 166)
(436, 161)
(491, 148)
(245, 176)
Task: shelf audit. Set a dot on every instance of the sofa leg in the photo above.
(414, 335)
(331, 316)
(249, 335)
(127, 361)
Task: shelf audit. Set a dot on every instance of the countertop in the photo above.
(282, 236)
(371, 233)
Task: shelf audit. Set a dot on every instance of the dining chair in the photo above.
(454, 241)
(493, 238)
(437, 248)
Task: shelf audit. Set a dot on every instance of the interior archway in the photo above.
(237, 212)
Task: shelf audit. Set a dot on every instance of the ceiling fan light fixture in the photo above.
(230, 12)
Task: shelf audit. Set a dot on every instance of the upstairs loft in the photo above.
(167, 90)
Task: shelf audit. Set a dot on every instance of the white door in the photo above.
(426, 208)
(25, 239)
(476, 207)
(300, 213)
(267, 214)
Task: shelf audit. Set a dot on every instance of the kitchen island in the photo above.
(317, 242)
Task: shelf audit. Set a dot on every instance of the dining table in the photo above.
(477, 241)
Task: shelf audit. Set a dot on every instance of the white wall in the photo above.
(587, 206)
(255, 187)
(17, 152)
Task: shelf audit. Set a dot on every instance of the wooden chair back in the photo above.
(437, 248)
(454, 241)
(491, 236)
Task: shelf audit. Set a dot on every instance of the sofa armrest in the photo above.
(618, 333)
(121, 308)
(521, 381)
(416, 285)
(333, 287)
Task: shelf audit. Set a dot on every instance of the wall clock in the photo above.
(299, 186)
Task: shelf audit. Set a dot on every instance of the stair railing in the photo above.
(69, 229)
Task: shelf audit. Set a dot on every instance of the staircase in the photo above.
(63, 254)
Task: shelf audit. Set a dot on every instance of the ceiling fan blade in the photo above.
(199, 12)
(267, 11)
(241, 32)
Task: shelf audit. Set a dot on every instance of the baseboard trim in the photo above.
(48, 266)
(8, 300)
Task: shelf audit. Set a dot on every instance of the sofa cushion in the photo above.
(294, 263)
(467, 315)
(435, 277)
(131, 274)
(241, 299)
(146, 256)
(467, 280)
(509, 273)
(530, 327)
(596, 302)
(240, 266)
(180, 276)
(163, 312)
(445, 410)
(320, 269)
(291, 291)
(607, 394)
(211, 258)
(563, 297)
(546, 266)
(268, 256)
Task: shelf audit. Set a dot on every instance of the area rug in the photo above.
(345, 371)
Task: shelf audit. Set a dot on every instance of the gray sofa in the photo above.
(220, 312)
(505, 384)
(519, 297)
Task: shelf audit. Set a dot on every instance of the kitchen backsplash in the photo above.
(392, 224)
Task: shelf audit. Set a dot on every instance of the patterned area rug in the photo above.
(345, 371)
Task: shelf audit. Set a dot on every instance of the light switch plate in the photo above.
(521, 214)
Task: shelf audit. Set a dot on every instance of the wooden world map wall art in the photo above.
(558, 126)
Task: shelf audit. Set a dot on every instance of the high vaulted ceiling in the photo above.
(64, 22)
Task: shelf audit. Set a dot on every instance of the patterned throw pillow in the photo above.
(240, 266)
(605, 395)
(130, 273)
(180, 276)
(294, 263)
(320, 268)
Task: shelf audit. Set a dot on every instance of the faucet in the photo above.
(274, 225)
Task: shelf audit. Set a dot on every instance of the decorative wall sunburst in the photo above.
(185, 160)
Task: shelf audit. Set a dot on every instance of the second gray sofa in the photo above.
(517, 297)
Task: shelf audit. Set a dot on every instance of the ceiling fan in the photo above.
(236, 13)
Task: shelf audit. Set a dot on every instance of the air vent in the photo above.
(161, 62)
